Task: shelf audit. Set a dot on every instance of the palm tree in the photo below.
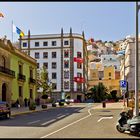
(99, 92)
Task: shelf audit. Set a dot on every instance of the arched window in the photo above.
(3, 61)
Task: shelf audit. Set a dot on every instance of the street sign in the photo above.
(123, 84)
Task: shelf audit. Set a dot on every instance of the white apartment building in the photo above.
(65, 57)
(110, 60)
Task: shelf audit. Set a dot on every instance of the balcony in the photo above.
(21, 77)
(7, 71)
(32, 81)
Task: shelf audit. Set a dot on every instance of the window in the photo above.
(31, 93)
(20, 68)
(45, 43)
(53, 65)
(66, 42)
(53, 43)
(109, 73)
(53, 54)
(3, 62)
(66, 85)
(54, 86)
(37, 65)
(54, 75)
(79, 65)
(36, 44)
(66, 53)
(79, 55)
(79, 87)
(24, 44)
(66, 64)
(31, 73)
(20, 91)
(36, 55)
(45, 54)
(45, 65)
(66, 74)
(79, 74)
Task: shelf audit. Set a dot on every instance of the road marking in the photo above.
(34, 122)
(61, 116)
(48, 122)
(104, 118)
(68, 124)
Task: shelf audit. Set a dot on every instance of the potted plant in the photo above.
(32, 106)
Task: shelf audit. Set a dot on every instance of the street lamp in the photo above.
(136, 109)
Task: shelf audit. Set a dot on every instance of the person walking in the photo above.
(25, 102)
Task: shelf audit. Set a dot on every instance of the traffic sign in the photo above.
(123, 84)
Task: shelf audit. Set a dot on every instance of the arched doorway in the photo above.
(4, 92)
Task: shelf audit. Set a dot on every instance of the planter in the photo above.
(44, 106)
(61, 103)
(32, 108)
(53, 104)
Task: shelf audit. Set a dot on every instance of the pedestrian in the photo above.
(17, 103)
(25, 102)
(28, 102)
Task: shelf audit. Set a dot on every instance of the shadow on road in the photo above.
(40, 119)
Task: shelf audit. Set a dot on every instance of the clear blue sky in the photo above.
(100, 20)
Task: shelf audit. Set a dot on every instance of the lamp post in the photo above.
(136, 109)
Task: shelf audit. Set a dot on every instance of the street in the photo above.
(76, 121)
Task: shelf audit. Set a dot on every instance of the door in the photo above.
(4, 92)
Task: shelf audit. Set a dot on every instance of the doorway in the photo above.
(79, 98)
(4, 92)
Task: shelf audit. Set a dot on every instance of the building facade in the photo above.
(17, 74)
(64, 56)
(104, 66)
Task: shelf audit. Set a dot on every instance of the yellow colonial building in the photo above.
(17, 74)
(108, 76)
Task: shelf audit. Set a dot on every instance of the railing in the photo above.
(21, 77)
(31, 80)
(7, 71)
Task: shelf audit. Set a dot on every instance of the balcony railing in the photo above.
(21, 77)
(7, 71)
(31, 80)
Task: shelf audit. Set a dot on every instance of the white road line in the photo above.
(61, 116)
(48, 122)
(104, 118)
(68, 125)
(34, 122)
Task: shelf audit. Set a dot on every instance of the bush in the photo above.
(32, 106)
(61, 103)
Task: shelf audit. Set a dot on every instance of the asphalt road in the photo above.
(77, 121)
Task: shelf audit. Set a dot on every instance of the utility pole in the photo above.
(136, 109)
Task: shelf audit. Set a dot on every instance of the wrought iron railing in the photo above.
(21, 77)
(7, 71)
(31, 80)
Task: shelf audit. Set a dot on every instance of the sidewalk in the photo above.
(118, 105)
(25, 110)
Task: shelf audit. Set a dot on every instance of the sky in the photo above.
(106, 21)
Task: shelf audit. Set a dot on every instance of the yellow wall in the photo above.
(108, 70)
(111, 84)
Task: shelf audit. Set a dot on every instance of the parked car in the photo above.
(5, 110)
